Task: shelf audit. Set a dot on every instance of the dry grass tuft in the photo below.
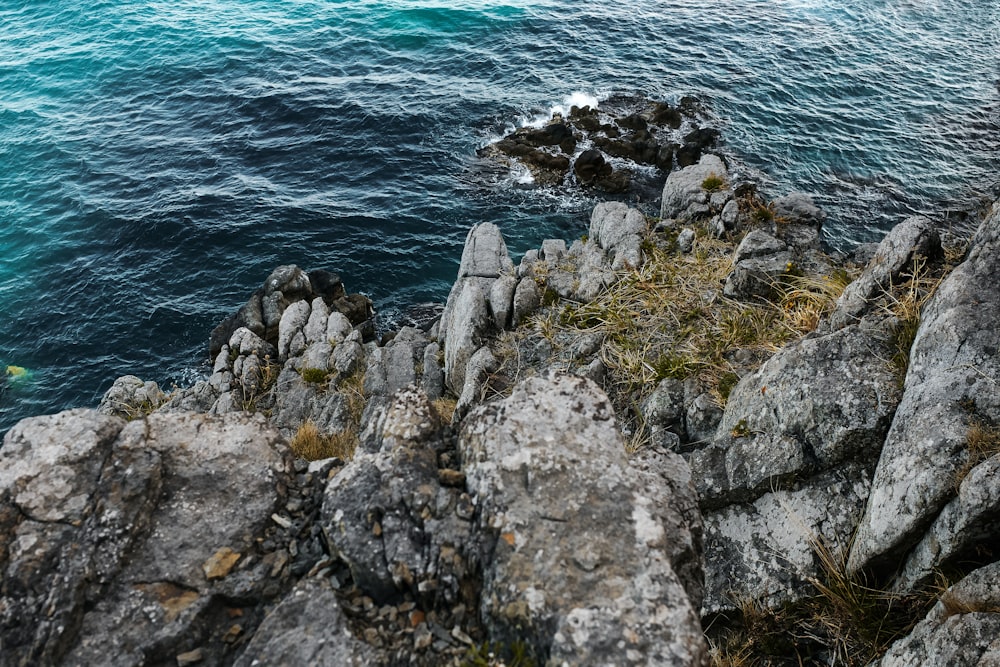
(982, 442)
(311, 445)
(845, 622)
(670, 319)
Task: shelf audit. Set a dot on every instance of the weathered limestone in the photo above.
(555, 494)
(684, 195)
(962, 630)
(952, 382)
(387, 514)
(116, 541)
(619, 231)
(907, 242)
(130, 397)
(815, 404)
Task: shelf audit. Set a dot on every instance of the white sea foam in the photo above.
(575, 99)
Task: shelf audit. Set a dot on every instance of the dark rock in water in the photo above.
(694, 143)
(590, 166)
(630, 130)
(593, 170)
(664, 114)
(327, 285)
(286, 285)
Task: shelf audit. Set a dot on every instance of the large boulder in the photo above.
(951, 386)
(388, 516)
(127, 544)
(130, 397)
(912, 239)
(685, 195)
(467, 317)
(817, 403)
(579, 554)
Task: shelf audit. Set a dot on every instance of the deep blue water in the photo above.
(159, 158)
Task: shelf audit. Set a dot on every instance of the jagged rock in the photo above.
(766, 550)
(815, 404)
(665, 478)
(580, 563)
(468, 326)
(913, 238)
(338, 327)
(961, 630)
(291, 339)
(759, 263)
(432, 381)
(105, 529)
(952, 382)
(130, 397)
(315, 328)
(481, 364)
(685, 240)
(702, 418)
(663, 414)
(348, 356)
(200, 397)
(245, 342)
(466, 318)
(402, 355)
(527, 298)
(619, 230)
(684, 196)
(387, 515)
(501, 300)
(307, 628)
(966, 526)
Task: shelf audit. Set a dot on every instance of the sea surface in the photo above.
(159, 158)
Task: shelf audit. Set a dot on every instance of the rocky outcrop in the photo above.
(950, 388)
(581, 557)
(606, 147)
(131, 544)
(962, 630)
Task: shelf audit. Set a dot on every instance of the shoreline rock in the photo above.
(492, 478)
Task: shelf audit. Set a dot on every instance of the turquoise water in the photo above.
(158, 159)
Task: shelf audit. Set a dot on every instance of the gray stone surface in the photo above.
(965, 528)
(619, 230)
(527, 298)
(388, 517)
(764, 550)
(131, 397)
(913, 238)
(962, 630)
(816, 403)
(501, 300)
(291, 339)
(307, 628)
(468, 325)
(952, 380)
(117, 541)
(683, 194)
(580, 561)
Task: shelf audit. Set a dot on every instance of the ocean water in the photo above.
(158, 159)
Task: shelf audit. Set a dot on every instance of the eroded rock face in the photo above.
(961, 630)
(815, 404)
(950, 385)
(388, 516)
(581, 559)
(126, 544)
(685, 195)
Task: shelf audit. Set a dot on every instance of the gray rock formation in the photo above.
(467, 319)
(908, 241)
(126, 544)
(581, 558)
(308, 627)
(962, 630)
(952, 383)
(129, 397)
(685, 195)
(619, 231)
(388, 516)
